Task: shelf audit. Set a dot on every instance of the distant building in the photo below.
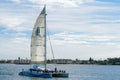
(21, 61)
(2, 61)
(82, 61)
(62, 61)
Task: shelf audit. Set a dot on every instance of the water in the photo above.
(76, 72)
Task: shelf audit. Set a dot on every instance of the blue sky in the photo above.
(78, 28)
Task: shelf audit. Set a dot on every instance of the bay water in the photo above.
(76, 72)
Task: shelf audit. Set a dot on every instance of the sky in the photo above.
(78, 28)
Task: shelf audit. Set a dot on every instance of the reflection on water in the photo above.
(33, 78)
(5, 73)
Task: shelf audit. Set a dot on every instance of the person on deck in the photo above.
(55, 69)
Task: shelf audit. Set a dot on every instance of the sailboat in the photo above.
(38, 51)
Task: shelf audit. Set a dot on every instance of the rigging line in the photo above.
(50, 43)
(51, 46)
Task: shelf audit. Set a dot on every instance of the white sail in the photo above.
(38, 39)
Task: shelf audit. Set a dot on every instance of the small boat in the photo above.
(38, 51)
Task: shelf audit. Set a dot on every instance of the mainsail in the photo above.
(38, 39)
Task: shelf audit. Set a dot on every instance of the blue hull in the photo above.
(36, 74)
(43, 73)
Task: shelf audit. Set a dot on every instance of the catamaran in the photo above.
(38, 51)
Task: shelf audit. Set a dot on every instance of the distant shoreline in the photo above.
(67, 64)
(90, 61)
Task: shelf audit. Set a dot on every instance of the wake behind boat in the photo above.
(38, 52)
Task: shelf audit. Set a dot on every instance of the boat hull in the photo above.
(63, 75)
(36, 74)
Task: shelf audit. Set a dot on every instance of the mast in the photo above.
(45, 37)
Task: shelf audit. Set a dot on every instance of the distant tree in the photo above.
(48, 61)
(90, 59)
(77, 61)
(113, 61)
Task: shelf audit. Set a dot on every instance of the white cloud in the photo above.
(16, 1)
(85, 51)
(68, 38)
(15, 47)
(64, 3)
(12, 22)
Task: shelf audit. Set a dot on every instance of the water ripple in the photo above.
(5, 73)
